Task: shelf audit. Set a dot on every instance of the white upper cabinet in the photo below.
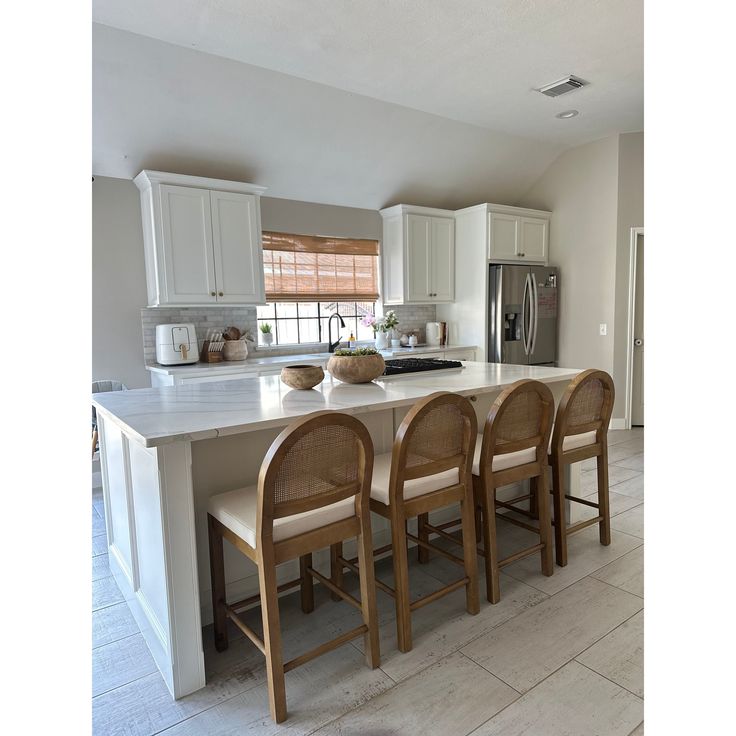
(418, 255)
(515, 236)
(202, 240)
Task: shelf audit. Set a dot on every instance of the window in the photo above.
(306, 322)
(309, 278)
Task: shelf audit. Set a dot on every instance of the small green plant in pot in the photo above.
(356, 366)
(266, 334)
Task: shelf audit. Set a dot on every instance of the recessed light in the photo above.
(567, 114)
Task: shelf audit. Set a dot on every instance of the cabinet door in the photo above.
(392, 253)
(533, 239)
(503, 236)
(418, 238)
(442, 260)
(237, 248)
(186, 246)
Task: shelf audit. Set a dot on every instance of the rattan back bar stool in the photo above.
(581, 432)
(429, 468)
(513, 448)
(313, 491)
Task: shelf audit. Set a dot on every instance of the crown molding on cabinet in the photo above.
(147, 178)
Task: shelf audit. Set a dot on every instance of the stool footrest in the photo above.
(583, 524)
(517, 522)
(438, 594)
(438, 550)
(351, 565)
(334, 588)
(520, 555)
(245, 628)
(324, 648)
(240, 605)
(581, 500)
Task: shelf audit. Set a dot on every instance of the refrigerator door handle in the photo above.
(535, 312)
(524, 335)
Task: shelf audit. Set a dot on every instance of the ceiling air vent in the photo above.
(561, 86)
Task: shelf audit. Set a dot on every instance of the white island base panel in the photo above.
(156, 497)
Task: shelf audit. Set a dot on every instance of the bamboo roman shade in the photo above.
(313, 268)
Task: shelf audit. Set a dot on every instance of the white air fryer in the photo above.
(176, 344)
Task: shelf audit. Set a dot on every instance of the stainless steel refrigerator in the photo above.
(522, 325)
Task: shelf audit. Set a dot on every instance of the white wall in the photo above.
(581, 190)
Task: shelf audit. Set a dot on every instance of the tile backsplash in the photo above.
(411, 319)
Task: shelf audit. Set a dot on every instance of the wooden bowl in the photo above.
(356, 368)
(302, 376)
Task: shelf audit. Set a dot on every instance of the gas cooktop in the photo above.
(415, 365)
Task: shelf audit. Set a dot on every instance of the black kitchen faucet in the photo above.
(333, 345)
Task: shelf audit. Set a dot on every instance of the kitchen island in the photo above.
(165, 451)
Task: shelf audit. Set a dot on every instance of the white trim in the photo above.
(147, 178)
(412, 209)
(633, 241)
(618, 424)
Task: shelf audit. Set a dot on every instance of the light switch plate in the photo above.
(603, 327)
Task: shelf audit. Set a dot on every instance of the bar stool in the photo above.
(313, 490)
(429, 468)
(513, 448)
(581, 432)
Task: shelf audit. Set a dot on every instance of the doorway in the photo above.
(635, 377)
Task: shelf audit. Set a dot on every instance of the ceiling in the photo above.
(362, 104)
(475, 61)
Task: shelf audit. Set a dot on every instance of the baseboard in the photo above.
(618, 424)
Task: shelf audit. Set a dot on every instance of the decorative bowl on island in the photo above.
(356, 366)
(302, 376)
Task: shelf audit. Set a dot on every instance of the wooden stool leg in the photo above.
(478, 521)
(534, 498)
(336, 568)
(545, 525)
(366, 572)
(604, 528)
(272, 635)
(558, 496)
(307, 583)
(422, 552)
(470, 555)
(94, 441)
(493, 586)
(401, 580)
(217, 576)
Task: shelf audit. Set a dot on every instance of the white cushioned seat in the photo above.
(412, 488)
(237, 511)
(505, 461)
(575, 441)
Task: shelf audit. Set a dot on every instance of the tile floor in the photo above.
(559, 655)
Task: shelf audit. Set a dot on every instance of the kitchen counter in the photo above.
(261, 360)
(159, 416)
(165, 451)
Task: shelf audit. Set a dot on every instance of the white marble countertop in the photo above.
(157, 416)
(263, 360)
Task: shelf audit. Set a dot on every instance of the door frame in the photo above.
(633, 247)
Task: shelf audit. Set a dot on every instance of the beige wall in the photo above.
(630, 214)
(118, 282)
(581, 190)
(118, 271)
(595, 193)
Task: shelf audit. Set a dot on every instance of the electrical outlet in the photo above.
(603, 327)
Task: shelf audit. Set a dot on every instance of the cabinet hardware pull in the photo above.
(212, 293)
(220, 294)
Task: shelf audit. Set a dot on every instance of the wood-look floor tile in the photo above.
(444, 626)
(635, 462)
(100, 567)
(105, 592)
(120, 662)
(585, 555)
(619, 656)
(616, 475)
(112, 623)
(626, 573)
(98, 523)
(530, 646)
(630, 522)
(99, 545)
(453, 696)
(639, 730)
(617, 436)
(316, 693)
(618, 503)
(633, 487)
(572, 702)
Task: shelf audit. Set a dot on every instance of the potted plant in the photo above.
(390, 320)
(356, 366)
(383, 329)
(266, 334)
